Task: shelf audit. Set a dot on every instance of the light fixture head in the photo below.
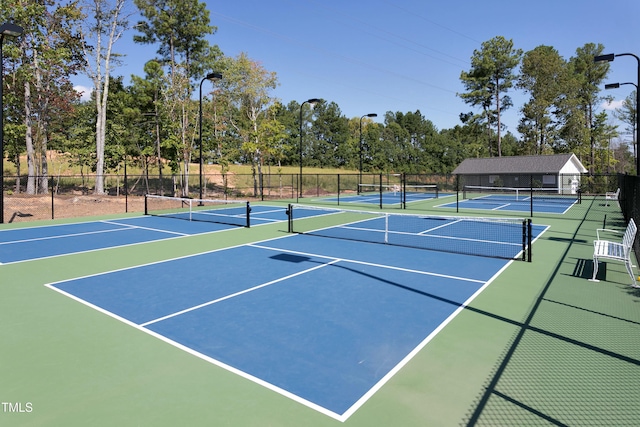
(11, 29)
(213, 76)
(604, 58)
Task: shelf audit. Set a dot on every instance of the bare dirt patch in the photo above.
(32, 208)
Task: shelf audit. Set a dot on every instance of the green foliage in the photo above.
(154, 121)
(490, 78)
(542, 76)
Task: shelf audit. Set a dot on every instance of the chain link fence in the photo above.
(74, 195)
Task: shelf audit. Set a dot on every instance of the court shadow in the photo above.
(584, 269)
(19, 215)
(290, 258)
(563, 239)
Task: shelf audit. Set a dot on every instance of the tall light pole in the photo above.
(360, 167)
(609, 58)
(13, 30)
(211, 76)
(636, 148)
(311, 101)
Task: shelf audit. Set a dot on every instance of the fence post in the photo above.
(52, 188)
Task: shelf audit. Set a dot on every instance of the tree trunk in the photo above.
(31, 171)
(101, 101)
(44, 170)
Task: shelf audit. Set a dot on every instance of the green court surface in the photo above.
(541, 345)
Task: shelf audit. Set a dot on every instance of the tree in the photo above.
(179, 28)
(329, 145)
(628, 114)
(272, 132)
(490, 77)
(148, 92)
(541, 76)
(105, 26)
(49, 54)
(247, 85)
(583, 97)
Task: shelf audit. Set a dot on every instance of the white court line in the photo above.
(434, 236)
(206, 358)
(501, 206)
(159, 230)
(196, 307)
(417, 349)
(440, 226)
(390, 267)
(339, 417)
(179, 236)
(62, 236)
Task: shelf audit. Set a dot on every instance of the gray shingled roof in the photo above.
(512, 165)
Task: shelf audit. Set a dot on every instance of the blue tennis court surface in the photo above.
(23, 244)
(514, 204)
(389, 198)
(323, 321)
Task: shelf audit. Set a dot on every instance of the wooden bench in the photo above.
(611, 196)
(615, 251)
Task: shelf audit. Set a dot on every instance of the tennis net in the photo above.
(507, 238)
(378, 188)
(230, 212)
(519, 194)
(420, 191)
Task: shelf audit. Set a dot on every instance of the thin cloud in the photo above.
(85, 92)
(613, 105)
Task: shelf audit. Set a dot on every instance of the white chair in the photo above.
(615, 251)
(611, 196)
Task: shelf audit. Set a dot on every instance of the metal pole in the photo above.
(210, 76)
(200, 136)
(360, 167)
(608, 58)
(300, 161)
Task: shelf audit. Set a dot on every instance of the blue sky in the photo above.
(403, 55)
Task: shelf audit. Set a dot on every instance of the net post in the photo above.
(530, 239)
(248, 210)
(290, 218)
(386, 228)
(457, 193)
(146, 205)
(338, 189)
(524, 240)
(52, 204)
(404, 190)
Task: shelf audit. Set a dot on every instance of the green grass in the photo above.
(59, 165)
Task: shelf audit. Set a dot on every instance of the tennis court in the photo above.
(387, 195)
(24, 244)
(515, 200)
(263, 326)
(325, 322)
